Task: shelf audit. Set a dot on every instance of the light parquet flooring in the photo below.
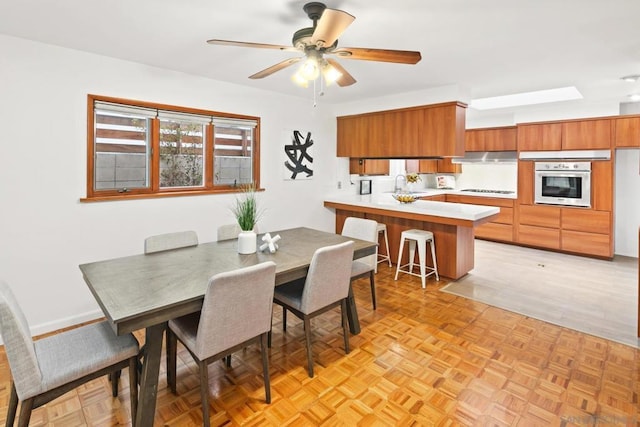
(424, 357)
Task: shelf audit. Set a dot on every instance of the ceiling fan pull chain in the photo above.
(315, 99)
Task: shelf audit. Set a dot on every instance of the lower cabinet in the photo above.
(575, 230)
(501, 228)
(436, 198)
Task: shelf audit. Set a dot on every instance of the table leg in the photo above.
(352, 313)
(149, 377)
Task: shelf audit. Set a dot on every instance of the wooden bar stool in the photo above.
(382, 228)
(419, 237)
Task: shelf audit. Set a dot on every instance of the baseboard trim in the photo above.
(55, 325)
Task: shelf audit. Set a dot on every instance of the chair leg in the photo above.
(25, 412)
(284, 319)
(386, 244)
(13, 405)
(422, 255)
(433, 258)
(204, 392)
(133, 386)
(265, 368)
(269, 333)
(373, 288)
(307, 334)
(172, 349)
(399, 257)
(345, 327)
(115, 379)
(227, 361)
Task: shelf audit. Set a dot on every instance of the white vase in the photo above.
(247, 242)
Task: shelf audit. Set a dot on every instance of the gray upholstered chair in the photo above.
(236, 312)
(363, 229)
(45, 369)
(228, 231)
(165, 242)
(325, 287)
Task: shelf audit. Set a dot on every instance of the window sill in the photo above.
(125, 196)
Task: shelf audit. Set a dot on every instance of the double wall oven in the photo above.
(563, 183)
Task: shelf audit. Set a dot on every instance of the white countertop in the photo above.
(424, 207)
(433, 192)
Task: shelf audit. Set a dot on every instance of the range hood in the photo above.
(487, 157)
(566, 155)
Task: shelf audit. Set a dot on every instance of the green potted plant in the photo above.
(247, 214)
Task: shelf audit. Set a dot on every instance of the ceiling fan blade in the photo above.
(330, 26)
(346, 79)
(381, 55)
(249, 44)
(279, 66)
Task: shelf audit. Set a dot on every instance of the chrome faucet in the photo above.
(396, 187)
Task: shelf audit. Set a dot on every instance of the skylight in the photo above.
(526, 98)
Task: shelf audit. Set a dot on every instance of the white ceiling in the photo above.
(489, 48)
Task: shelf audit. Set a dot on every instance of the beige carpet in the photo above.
(592, 296)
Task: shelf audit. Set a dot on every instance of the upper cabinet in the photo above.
(592, 134)
(491, 139)
(627, 132)
(432, 166)
(426, 131)
(369, 166)
(586, 134)
(542, 136)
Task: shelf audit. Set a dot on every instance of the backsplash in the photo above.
(497, 176)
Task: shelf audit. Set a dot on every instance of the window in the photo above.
(139, 149)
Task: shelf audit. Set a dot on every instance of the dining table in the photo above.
(145, 291)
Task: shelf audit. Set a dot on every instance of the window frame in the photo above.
(154, 190)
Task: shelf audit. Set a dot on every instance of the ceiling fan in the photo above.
(320, 40)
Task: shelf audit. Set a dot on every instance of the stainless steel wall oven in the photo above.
(563, 183)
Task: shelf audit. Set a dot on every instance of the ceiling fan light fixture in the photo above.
(310, 69)
(299, 80)
(330, 74)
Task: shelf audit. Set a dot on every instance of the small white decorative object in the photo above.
(269, 242)
(247, 242)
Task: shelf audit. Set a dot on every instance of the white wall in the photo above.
(627, 202)
(44, 229)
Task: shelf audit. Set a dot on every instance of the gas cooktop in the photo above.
(478, 190)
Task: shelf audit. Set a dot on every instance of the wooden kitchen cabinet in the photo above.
(539, 226)
(586, 243)
(526, 184)
(580, 219)
(436, 198)
(539, 137)
(539, 236)
(541, 216)
(491, 139)
(586, 134)
(586, 232)
(369, 166)
(432, 166)
(591, 134)
(602, 172)
(498, 229)
(627, 132)
(425, 131)
(577, 230)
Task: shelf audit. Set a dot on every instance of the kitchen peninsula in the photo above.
(451, 223)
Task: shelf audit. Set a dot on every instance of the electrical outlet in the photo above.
(339, 185)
